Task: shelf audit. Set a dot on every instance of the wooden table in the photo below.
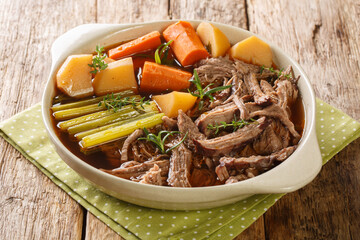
(323, 36)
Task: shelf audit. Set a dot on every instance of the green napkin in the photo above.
(26, 132)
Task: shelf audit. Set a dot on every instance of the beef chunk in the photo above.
(136, 170)
(215, 70)
(180, 164)
(274, 138)
(261, 163)
(129, 140)
(223, 113)
(153, 176)
(186, 125)
(253, 86)
(225, 144)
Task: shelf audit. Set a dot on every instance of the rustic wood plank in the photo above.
(218, 11)
(97, 230)
(31, 206)
(122, 11)
(325, 41)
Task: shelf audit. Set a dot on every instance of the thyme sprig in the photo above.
(235, 124)
(159, 139)
(201, 92)
(162, 52)
(115, 103)
(278, 72)
(98, 62)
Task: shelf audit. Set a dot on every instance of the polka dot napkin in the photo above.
(26, 132)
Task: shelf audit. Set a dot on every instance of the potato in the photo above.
(74, 77)
(170, 103)
(213, 37)
(117, 77)
(252, 50)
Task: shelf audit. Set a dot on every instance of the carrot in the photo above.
(186, 45)
(158, 78)
(141, 44)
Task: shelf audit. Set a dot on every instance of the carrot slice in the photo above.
(141, 44)
(186, 45)
(158, 78)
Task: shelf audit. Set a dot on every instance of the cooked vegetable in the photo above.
(98, 61)
(158, 78)
(74, 77)
(161, 53)
(141, 44)
(278, 72)
(78, 120)
(118, 76)
(201, 92)
(80, 111)
(115, 103)
(159, 141)
(81, 135)
(171, 103)
(215, 40)
(125, 113)
(187, 46)
(252, 50)
(88, 101)
(118, 132)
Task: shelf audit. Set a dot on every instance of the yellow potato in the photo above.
(117, 77)
(170, 103)
(74, 77)
(252, 50)
(213, 38)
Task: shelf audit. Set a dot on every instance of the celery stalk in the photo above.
(80, 111)
(88, 101)
(115, 133)
(66, 124)
(81, 135)
(122, 114)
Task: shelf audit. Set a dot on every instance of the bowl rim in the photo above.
(246, 184)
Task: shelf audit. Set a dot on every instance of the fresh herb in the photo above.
(201, 92)
(278, 72)
(98, 62)
(162, 52)
(115, 103)
(159, 139)
(235, 124)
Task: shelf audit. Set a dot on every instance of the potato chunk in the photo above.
(252, 50)
(74, 77)
(117, 77)
(213, 38)
(170, 103)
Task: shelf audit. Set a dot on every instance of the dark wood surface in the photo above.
(323, 36)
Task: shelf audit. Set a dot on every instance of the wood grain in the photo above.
(31, 206)
(325, 41)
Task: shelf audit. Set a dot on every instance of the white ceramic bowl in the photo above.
(298, 170)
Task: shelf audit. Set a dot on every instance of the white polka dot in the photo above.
(244, 201)
(321, 111)
(332, 131)
(333, 146)
(219, 235)
(322, 140)
(195, 232)
(139, 210)
(159, 232)
(344, 137)
(86, 188)
(354, 129)
(254, 210)
(322, 126)
(322, 133)
(185, 217)
(150, 217)
(254, 218)
(333, 139)
(161, 224)
(138, 217)
(242, 226)
(105, 212)
(332, 110)
(137, 225)
(84, 197)
(244, 208)
(174, 217)
(147, 233)
(242, 218)
(322, 147)
(197, 219)
(220, 224)
(333, 125)
(231, 234)
(232, 216)
(210, 211)
(233, 209)
(184, 226)
(208, 224)
(65, 181)
(343, 130)
(173, 225)
(149, 225)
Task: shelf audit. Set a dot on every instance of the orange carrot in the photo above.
(141, 44)
(158, 78)
(186, 45)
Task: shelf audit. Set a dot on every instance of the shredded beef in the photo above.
(153, 176)
(225, 144)
(180, 164)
